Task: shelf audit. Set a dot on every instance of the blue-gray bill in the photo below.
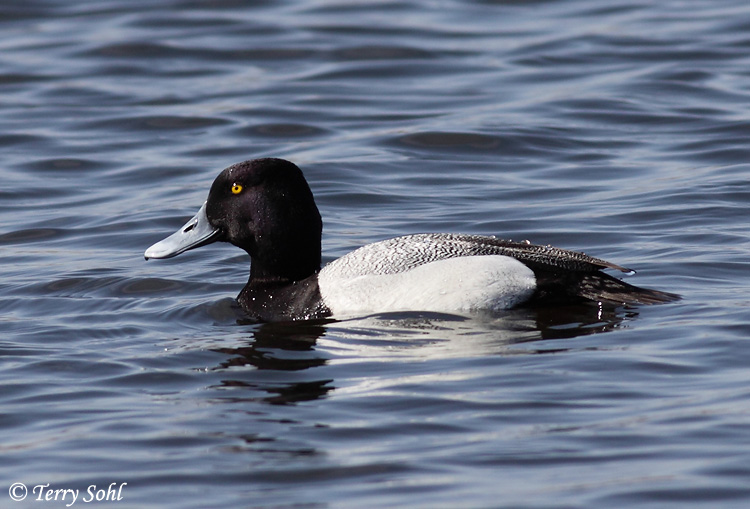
(195, 233)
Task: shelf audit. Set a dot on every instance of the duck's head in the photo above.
(263, 206)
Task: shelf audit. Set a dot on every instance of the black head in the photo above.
(265, 207)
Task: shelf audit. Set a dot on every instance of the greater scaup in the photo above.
(265, 207)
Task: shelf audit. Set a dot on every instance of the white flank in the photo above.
(464, 283)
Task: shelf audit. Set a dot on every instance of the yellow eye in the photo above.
(236, 189)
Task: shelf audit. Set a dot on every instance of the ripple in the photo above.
(282, 130)
(619, 129)
(31, 235)
(382, 53)
(66, 165)
(21, 139)
(150, 286)
(156, 123)
(139, 50)
(452, 141)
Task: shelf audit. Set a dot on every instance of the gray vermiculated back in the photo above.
(403, 253)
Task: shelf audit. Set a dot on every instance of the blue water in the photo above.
(620, 129)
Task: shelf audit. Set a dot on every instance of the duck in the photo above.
(266, 207)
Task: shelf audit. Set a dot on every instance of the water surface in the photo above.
(619, 130)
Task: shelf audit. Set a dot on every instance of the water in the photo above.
(618, 130)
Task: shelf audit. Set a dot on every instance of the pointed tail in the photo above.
(602, 287)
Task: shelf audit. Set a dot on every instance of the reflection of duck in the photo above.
(265, 207)
(287, 336)
(308, 356)
(288, 347)
(433, 335)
